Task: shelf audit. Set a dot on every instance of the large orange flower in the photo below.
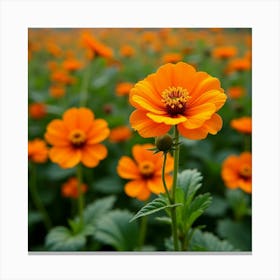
(237, 172)
(177, 95)
(144, 171)
(76, 138)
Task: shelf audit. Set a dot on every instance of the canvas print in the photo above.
(140, 140)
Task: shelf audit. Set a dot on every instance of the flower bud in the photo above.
(164, 143)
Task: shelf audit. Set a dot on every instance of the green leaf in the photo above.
(197, 207)
(237, 233)
(190, 181)
(218, 207)
(158, 204)
(206, 241)
(62, 239)
(95, 211)
(114, 229)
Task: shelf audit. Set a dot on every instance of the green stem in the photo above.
(143, 230)
(174, 185)
(80, 194)
(163, 177)
(36, 199)
(85, 85)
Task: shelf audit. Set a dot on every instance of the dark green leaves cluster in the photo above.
(102, 225)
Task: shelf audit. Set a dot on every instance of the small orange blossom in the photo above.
(237, 172)
(76, 138)
(144, 171)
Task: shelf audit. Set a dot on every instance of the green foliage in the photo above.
(62, 239)
(189, 183)
(206, 241)
(114, 229)
(158, 204)
(237, 233)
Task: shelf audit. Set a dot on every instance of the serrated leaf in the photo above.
(62, 239)
(190, 181)
(197, 207)
(206, 241)
(114, 229)
(158, 204)
(94, 211)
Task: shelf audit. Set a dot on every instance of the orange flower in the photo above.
(224, 52)
(239, 64)
(237, 172)
(72, 64)
(177, 95)
(37, 110)
(172, 57)
(37, 151)
(76, 138)
(63, 77)
(120, 134)
(123, 88)
(127, 51)
(70, 188)
(236, 92)
(97, 47)
(144, 171)
(57, 91)
(243, 125)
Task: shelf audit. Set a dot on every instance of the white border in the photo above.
(17, 16)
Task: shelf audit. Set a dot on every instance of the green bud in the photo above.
(164, 143)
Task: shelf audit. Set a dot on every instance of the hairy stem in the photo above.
(173, 191)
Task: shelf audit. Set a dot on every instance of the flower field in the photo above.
(139, 140)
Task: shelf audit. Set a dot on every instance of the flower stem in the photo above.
(174, 185)
(143, 230)
(80, 194)
(163, 177)
(36, 198)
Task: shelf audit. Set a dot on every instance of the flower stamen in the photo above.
(147, 169)
(77, 138)
(245, 172)
(175, 100)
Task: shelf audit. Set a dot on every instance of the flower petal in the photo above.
(66, 157)
(141, 153)
(162, 79)
(57, 133)
(78, 118)
(166, 119)
(144, 194)
(133, 188)
(193, 134)
(155, 185)
(127, 168)
(91, 155)
(213, 96)
(98, 132)
(183, 74)
(144, 104)
(145, 126)
(214, 124)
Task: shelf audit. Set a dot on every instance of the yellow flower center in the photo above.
(175, 100)
(147, 169)
(245, 171)
(77, 138)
